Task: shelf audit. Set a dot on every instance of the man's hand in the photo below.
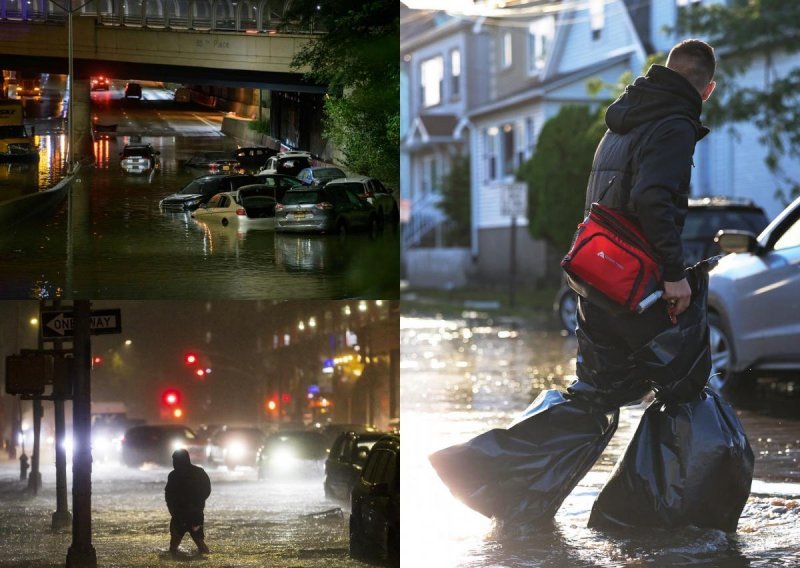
(677, 295)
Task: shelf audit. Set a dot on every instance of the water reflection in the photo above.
(463, 377)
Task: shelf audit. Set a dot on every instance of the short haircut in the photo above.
(694, 59)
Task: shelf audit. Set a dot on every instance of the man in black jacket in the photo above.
(642, 166)
(188, 487)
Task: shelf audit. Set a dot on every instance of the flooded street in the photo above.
(463, 377)
(247, 522)
(111, 240)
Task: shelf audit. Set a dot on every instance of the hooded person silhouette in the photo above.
(187, 489)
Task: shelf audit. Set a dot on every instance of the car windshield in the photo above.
(128, 152)
(704, 223)
(194, 186)
(302, 197)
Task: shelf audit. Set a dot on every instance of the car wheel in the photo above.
(721, 355)
(357, 547)
(568, 311)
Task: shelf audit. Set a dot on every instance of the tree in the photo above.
(749, 30)
(558, 171)
(358, 58)
(455, 203)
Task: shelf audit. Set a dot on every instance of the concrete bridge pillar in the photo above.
(82, 125)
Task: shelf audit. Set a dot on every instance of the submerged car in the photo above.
(375, 504)
(133, 90)
(202, 189)
(155, 444)
(138, 158)
(287, 163)
(100, 83)
(251, 204)
(203, 160)
(754, 302)
(292, 453)
(233, 446)
(372, 191)
(346, 461)
(323, 211)
(253, 158)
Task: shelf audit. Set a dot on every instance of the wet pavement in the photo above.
(248, 522)
(110, 239)
(463, 377)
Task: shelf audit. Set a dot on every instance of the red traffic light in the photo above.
(191, 359)
(171, 397)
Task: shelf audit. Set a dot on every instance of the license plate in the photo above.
(300, 215)
(225, 168)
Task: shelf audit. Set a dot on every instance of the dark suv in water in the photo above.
(200, 190)
(375, 504)
(706, 216)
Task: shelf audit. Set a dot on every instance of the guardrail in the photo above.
(259, 16)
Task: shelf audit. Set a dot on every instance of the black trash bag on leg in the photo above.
(688, 464)
(522, 474)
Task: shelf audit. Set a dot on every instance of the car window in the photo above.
(353, 198)
(377, 466)
(301, 197)
(290, 182)
(224, 201)
(790, 238)
(193, 186)
(214, 201)
(704, 223)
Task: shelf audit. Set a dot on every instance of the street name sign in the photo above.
(58, 324)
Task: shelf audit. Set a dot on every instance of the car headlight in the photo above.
(283, 459)
(100, 442)
(236, 450)
(178, 445)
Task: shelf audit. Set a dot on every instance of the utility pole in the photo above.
(81, 553)
(61, 517)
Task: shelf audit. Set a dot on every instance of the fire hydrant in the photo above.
(23, 467)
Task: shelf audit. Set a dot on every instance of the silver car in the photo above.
(754, 301)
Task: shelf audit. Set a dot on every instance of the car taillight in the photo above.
(241, 212)
(324, 205)
(279, 207)
(213, 167)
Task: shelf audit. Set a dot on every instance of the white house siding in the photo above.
(730, 160)
(580, 50)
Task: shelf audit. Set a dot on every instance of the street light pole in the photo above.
(70, 85)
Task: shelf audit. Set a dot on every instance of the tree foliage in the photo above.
(358, 59)
(455, 203)
(558, 171)
(742, 32)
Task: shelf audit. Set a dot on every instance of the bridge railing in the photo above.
(264, 16)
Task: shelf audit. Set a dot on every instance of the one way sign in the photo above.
(60, 324)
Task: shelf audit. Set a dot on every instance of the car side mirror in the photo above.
(730, 241)
(380, 490)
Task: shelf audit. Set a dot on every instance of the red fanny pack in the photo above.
(610, 262)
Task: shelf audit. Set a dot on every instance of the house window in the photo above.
(431, 77)
(490, 143)
(508, 149)
(455, 73)
(540, 38)
(506, 52)
(430, 175)
(597, 17)
(682, 3)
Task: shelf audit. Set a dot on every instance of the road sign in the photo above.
(58, 324)
(514, 199)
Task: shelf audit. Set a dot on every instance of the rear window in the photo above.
(704, 223)
(355, 187)
(128, 152)
(302, 197)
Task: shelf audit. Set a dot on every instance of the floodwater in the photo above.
(110, 239)
(248, 522)
(463, 377)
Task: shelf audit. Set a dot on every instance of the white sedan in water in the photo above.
(251, 205)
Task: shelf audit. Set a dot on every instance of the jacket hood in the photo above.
(661, 92)
(180, 459)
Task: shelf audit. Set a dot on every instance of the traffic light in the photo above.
(190, 359)
(171, 398)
